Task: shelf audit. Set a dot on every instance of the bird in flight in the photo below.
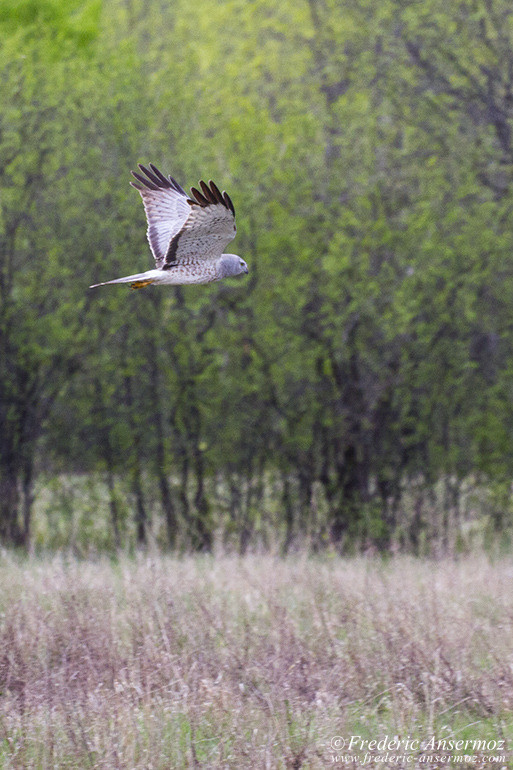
(187, 235)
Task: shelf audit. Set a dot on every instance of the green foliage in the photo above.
(368, 150)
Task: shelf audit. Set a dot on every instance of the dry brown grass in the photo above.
(247, 663)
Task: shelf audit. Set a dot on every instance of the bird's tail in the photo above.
(138, 281)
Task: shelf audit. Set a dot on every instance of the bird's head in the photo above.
(231, 264)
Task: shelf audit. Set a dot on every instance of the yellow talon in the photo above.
(140, 284)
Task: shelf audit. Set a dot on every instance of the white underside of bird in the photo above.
(225, 266)
(177, 277)
(187, 235)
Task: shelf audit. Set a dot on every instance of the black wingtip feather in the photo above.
(144, 181)
(163, 182)
(216, 192)
(177, 186)
(210, 193)
(228, 202)
(207, 192)
(200, 198)
(153, 179)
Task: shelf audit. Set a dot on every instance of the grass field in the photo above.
(258, 662)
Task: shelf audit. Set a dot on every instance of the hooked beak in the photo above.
(246, 270)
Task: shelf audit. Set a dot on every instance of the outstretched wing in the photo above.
(166, 207)
(182, 229)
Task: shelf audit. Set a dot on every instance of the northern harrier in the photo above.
(187, 235)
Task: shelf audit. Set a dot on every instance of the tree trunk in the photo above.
(203, 525)
(28, 498)
(10, 533)
(288, 508)
(305, 483)
(113, 508)
(183, 497)
(141, 517)
(108, 458)
(166, 499)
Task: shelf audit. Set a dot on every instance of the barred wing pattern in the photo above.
(184, 229)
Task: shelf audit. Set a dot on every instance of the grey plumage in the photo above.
(187, 234)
